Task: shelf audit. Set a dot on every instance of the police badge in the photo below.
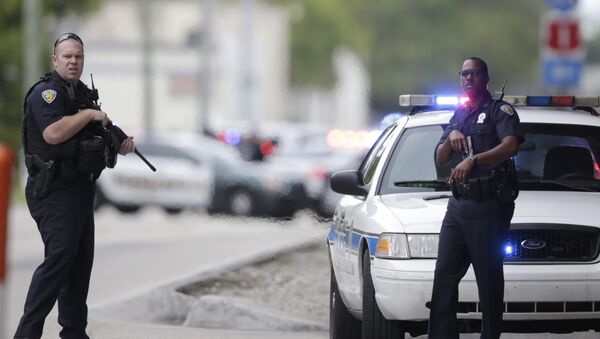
(49, 95)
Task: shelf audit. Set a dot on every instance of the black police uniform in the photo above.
(64, 214)
(475, 226)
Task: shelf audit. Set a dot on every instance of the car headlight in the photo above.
(423, 245)
(392, 246)
(406, 246)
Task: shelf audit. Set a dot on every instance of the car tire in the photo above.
(342, 324)
(129, 209)
(241, 202)
(173, 210)
(374, 324)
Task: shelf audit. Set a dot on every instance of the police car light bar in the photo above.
(416, 100)
(412, 100)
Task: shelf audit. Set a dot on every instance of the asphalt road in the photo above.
(137, 254)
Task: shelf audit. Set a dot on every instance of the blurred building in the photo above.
(248, 56)
(590, 81)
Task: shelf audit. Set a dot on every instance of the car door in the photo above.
(351, 222)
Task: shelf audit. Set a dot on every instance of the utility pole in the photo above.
(247, 85)
(205, 73)
(145, 12)
(32, 16)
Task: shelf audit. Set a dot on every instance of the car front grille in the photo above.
(552, 243)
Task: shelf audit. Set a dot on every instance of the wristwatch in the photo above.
(474, 157)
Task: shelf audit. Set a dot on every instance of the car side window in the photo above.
(367, 168)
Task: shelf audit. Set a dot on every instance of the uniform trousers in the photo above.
(473, 232)
(65, 221)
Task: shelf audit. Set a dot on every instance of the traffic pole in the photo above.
(6, 162)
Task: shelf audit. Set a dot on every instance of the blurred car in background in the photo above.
(183, 178)
(254, 188)
(313, 154)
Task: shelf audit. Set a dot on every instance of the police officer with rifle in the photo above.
(67, 146)
(479, 142)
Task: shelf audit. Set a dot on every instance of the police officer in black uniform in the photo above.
(480, 140)
(65, 150)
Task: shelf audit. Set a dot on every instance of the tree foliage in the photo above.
(412, 46)
(11, 58)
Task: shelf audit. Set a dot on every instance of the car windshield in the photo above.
(553, 157)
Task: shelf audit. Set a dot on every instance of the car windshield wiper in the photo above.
(423, 183)
(557, 183)
(436, 197)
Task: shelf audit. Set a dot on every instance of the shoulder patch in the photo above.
(49, 95)
(507, 109)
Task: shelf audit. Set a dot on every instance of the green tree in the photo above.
(11, 65)
(593, 50)
(415, 46)
(318, 27)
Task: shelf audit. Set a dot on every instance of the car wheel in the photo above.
(241, 202)
(374, 324)
(173, 210)
(342, 324)
(127, 208)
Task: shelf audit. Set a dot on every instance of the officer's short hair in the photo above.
(67, 36)
(482, 64)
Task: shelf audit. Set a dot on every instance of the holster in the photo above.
(506, 183)
(43, 174)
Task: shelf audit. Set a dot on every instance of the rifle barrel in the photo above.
(145, 160)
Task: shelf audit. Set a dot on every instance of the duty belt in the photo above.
(480, 188)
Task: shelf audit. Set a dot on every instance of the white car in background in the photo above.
(384, 235)
(183, 179)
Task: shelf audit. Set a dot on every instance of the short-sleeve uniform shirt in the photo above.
(486, 125)
(47, 102)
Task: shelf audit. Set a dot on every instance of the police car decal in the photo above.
(49, 95)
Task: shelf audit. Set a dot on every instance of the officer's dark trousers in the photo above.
(66, 223)
(472, 233)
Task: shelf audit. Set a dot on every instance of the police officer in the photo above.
(480, 140)
(64, 151)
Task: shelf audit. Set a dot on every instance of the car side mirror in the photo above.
(348, 182)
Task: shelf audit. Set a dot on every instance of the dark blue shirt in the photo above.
(486, 124)
(47, 102)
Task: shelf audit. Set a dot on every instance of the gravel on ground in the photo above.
(294, 283)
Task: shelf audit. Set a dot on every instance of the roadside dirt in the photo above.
(295, 284)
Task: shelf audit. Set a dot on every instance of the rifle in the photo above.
(115, 134)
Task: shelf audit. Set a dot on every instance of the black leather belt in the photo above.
(480, 188)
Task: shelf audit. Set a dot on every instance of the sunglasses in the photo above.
(67, 36)
(465, 74)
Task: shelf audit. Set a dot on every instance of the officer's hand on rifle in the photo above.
(460, 172)
(458, 142)
(127, 146)
(100, 116)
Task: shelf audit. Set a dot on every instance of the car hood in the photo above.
(425, 216)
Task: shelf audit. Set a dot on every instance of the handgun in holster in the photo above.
(43, 174)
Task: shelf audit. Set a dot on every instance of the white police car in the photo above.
(384, 235)
(183, 179)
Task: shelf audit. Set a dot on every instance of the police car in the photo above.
(384, 235)
(183, 179)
